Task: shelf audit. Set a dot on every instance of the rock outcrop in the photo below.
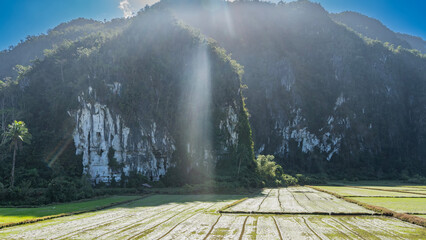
(110, 148)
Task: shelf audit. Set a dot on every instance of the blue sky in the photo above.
(19, 18)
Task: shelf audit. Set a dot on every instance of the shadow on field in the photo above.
(16, 216)
(163, 199)
(10, 215)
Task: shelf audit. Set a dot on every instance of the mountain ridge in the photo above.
(376, 30)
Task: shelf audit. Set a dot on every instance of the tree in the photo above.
(267, 168)
(16, 134)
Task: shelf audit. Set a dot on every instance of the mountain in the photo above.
(374, 29)
(156, 95)
(152, 97)
(321, 98)
(33, 46)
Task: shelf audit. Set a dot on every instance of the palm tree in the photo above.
(17, 133)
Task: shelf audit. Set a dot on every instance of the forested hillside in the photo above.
(138, 102)
(33, 46)
(374, 29)
(322, 99)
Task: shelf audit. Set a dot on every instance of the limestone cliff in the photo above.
(148, 149)
(99, 130)
(139, 103)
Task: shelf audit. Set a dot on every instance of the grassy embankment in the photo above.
(17, 216)
(405, 202)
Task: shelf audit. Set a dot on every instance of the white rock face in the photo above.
(228, 128)
(340, 100)
(230, 125)
(109, 147)
(98, 130)
(307, 141)
(115, 88)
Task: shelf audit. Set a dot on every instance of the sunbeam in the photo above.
(198, 111)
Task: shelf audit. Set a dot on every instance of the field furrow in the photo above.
(135, 222)
(383, 228)
(352, 231)
(128, 220)
(179, 224)
(310, 202)
(331, 229)
(228, 227)
(263, 200)
(243, 229)
(195, 227)
(297, 200)
(293, 228)
(212, 227)
(250, 229)
(340, 205)
(266, 228)
(252, 204)
(288, 202)
(319, 235)
(271, 202)
(141, 231)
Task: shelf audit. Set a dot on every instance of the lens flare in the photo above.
(57, 152)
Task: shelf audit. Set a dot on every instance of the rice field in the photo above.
(399, 198)
(402, 188)
(350, 191)
(200, 217)
(14, 215)
(296, 200)
(401, 205)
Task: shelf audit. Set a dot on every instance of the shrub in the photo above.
(289, 180)
(85, 188)
(135, 180)
(116, 191)
(270, 174)
(312, 180)
(267, 169)
(61, 190)
(23, 196)
(417, 179)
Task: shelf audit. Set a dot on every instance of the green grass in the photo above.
(397, 188)
(14, 215)
(388, 183)
(353, 191)
(401, 205)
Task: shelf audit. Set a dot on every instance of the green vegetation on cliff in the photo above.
(150, 76)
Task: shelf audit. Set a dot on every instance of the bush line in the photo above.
(5, 225)
(383, 211)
